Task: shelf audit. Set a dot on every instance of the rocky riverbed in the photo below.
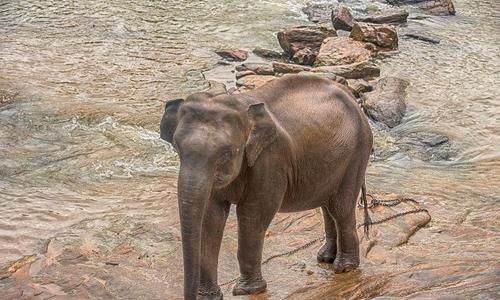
(88, 191)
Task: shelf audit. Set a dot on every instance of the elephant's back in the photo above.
(311, 108)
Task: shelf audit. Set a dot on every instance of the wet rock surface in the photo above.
(381, 35)
(389, 17)
(435, 7)
(420, 37)
(318, 12)
(342, 51)
(386, 104)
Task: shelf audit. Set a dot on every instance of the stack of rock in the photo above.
(347, 60)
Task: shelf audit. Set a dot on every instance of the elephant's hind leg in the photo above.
(343, 210)
(328, 251)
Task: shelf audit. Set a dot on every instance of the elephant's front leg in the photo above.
(254, 217)
(212, 232)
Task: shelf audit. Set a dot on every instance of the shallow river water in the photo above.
(82, 88)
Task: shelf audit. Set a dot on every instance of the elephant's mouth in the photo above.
(221, 180)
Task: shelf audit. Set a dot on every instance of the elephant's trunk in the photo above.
(194, 190)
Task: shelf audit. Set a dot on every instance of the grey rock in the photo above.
(388, 17)
(267, 54)
(387, 103)
(359, 86)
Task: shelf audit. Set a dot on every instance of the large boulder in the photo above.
(435, 7)
(388, 17)
(342, 18)
(341, 51)
(297, 38)
(381, 35)
(351, 71)
(387, 103)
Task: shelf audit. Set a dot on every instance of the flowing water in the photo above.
(83, 84)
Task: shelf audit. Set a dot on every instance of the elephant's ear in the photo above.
(262, 133)
(169, 120)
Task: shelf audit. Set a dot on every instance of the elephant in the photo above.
(297, 143)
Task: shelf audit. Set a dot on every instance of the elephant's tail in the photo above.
(368, 220)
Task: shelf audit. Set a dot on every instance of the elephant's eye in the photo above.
(226, 155)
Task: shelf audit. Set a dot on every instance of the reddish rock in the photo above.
(297, 38)
(351, 71)
(382, 35)
(232, 54)
(284, 68)
(342, 18)
(305, 56)
(251, 82)
(341, 51)
(359, 86)
(244, 73)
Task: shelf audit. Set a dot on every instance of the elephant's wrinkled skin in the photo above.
(297, 143)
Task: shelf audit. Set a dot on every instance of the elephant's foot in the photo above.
(249, 286)
(344, 264)
(213, 295)
(327, 252)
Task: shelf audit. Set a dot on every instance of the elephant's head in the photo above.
(215, 138)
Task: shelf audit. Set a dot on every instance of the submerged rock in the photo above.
(387, 103)
(257, 68)
(267, 54)
(351, 71)
(388, 17)
(341, 51)
(284, 68)
(381, 35)
(426, 146)
(233, 54)
(435, 7)
(342, 18)
(420, 37)
(297, 38)
(318, 12)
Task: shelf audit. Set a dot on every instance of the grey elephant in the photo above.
(298, 143)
